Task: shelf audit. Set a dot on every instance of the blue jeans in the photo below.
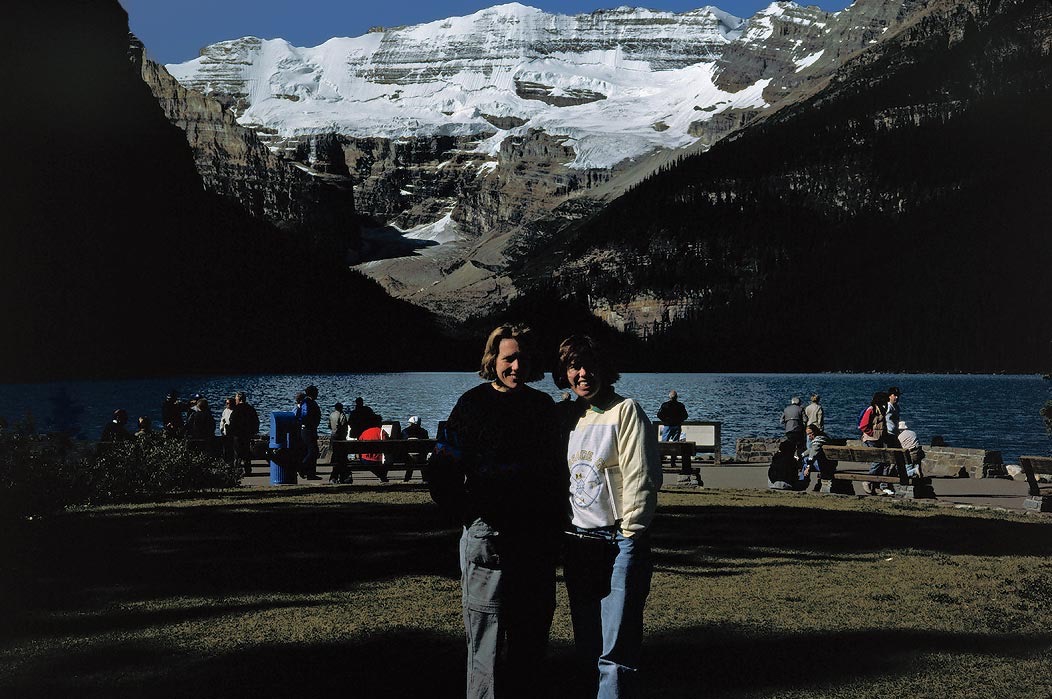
(876, 469)
(608, 580)
(671, 433)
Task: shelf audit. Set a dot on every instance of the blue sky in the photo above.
(175, 31)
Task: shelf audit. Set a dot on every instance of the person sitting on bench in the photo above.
(375, 461)
(814, 459)
(914, 454)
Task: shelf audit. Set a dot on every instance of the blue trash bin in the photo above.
(284, 448)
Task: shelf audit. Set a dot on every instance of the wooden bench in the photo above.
(1038, 499)
(399, 449)
(908, 487)
(684, 451)
(703, 434)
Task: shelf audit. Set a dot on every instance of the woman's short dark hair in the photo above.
(880, 400)
(583, 349)
(510, 331)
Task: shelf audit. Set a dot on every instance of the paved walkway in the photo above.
(977, 492)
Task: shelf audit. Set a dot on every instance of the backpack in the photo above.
(877, 423)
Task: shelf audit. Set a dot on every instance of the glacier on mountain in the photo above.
(618, 84)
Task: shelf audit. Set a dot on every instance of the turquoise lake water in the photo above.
(992, 412)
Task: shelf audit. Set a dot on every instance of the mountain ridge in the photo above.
(551, 126)
(885, 177)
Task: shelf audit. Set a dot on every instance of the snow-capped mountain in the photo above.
(620, 83)
(483, 123)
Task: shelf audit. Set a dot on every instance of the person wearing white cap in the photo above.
(914, 454)
(414, 430)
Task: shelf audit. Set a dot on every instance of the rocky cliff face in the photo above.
(117, 260)
(499, 118)
(312, 193)
(421, 112)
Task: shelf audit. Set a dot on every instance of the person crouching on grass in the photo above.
(615, 475)
(498, 466)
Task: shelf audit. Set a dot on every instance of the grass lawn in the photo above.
(317, 591)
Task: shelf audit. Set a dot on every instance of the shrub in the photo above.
(40, 474)
(153, 465)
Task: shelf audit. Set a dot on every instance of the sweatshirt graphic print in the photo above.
(615, 468)
(594, 476)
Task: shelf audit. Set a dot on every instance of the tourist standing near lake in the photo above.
(793, 423)
(145, 428)
(892, 415)
(200, 424)
(115, 430)
(172, 414)
(615, 474)
(308, 415)
(873, 426)
(671, 415)
(813, 413)
(244, 426)
(498, 466)
(361, 418)
(338, 426)
(224, 429)
(224, 417)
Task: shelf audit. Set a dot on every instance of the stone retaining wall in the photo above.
(756, 450)
(958, 461)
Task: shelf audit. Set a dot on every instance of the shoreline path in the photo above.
(997, 493)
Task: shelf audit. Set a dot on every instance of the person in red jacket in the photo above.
(376, 461)
(874, 429)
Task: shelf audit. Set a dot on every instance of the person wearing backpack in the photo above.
(874, 428)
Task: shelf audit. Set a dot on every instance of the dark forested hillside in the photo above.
(898, 220)
(114, 259)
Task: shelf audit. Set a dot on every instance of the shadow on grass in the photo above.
(726, 662)
(132, 620)
(395, 664)
(75, 576)
(688, 534)
(302, 546)
(90, 560)
(701, 661)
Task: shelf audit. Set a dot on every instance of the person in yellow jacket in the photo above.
(615, 475)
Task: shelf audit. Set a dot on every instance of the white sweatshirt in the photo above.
(615, 467)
